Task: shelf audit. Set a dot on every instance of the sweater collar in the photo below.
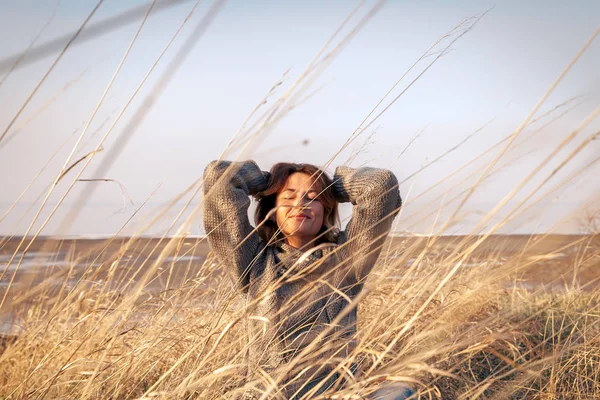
(291, 251)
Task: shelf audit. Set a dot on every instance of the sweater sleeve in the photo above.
(376, 201)
(227, 187)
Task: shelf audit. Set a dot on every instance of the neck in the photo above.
(301, 243)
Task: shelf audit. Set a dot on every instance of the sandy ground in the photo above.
(549, 256)
(551, 260)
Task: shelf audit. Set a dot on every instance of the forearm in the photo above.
(366, 185)
(376, 199)
(235, 175)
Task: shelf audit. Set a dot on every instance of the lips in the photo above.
(299, 217)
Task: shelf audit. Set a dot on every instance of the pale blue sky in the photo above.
(498, 72)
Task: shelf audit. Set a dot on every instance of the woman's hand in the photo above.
(266, 182)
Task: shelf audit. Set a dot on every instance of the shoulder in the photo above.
(342, 240)
(341, 237)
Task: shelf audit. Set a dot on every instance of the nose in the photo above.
(302, 201)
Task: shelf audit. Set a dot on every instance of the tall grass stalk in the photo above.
(455, 316)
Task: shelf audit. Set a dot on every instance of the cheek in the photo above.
(280, 216)
(318, 212)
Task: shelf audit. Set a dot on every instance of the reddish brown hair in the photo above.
(279, 174)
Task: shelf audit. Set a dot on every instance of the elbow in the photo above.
(387, 179)
(213, 171)
(215, 168)
(388, 188)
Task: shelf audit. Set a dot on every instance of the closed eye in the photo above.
(290, 194)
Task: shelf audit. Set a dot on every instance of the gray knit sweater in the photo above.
(302, 318)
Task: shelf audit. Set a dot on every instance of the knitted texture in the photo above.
(301, 306)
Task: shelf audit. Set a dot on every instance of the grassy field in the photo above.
(457, 317)
(516, 317)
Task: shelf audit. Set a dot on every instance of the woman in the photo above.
(299, 273)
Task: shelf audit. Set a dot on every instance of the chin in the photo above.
(300, 231)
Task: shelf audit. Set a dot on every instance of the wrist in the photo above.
(339, 184)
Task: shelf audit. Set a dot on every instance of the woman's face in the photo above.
(299, 213)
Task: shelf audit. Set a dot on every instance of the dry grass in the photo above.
(131, 319)
(474, 338)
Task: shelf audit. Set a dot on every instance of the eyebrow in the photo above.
(295, 190)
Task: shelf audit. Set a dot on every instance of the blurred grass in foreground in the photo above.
(481, 335)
